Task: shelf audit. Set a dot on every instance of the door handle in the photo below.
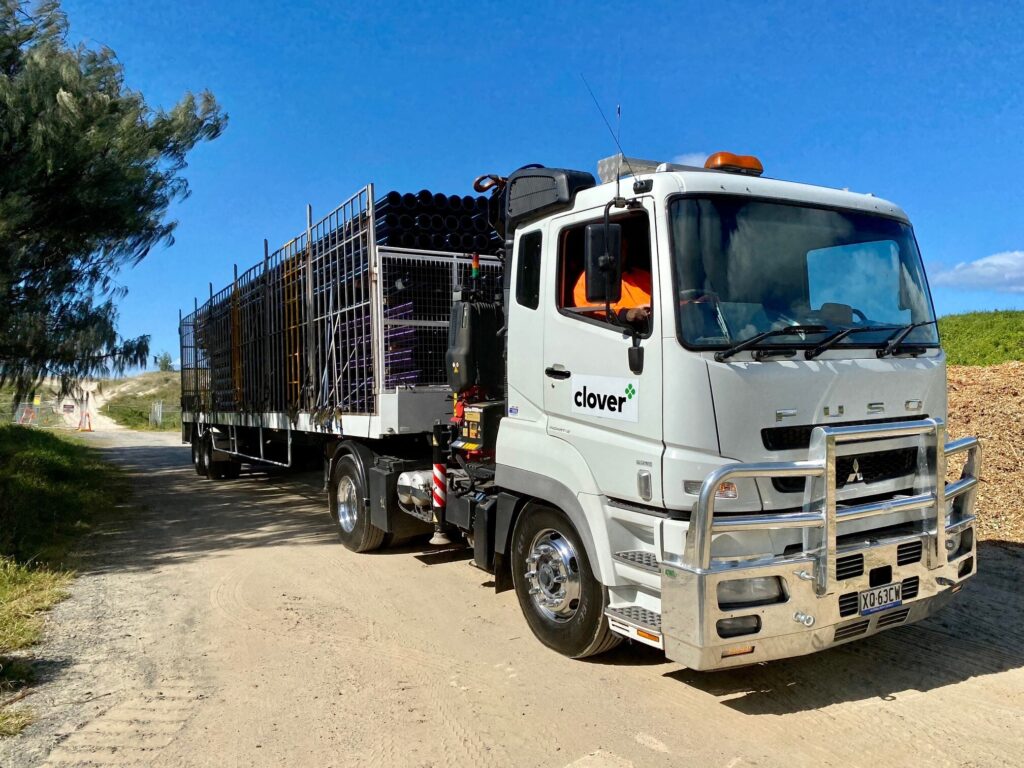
(557, 373)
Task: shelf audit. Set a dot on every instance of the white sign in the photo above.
(606, 396)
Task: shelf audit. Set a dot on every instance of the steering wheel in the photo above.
(698, 296)
(860, 316)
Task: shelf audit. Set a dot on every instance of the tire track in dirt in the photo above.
(132, 732)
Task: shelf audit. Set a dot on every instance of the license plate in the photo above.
(880, 598)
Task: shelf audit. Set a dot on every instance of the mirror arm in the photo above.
(616, 202)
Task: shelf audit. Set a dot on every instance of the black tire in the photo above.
(346, 496)
(198, 460)
(217, 470)
(572, 621)
(206, 454)
(229, 470)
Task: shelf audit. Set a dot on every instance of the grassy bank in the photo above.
(52, 492)
(130, 400)
(983, 338)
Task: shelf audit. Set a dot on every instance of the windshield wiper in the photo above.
(830, 341)
(897, 338)
(753, 341)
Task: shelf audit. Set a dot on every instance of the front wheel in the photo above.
(561, 599)
(346, 496)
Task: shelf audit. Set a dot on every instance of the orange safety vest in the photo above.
(636, 291)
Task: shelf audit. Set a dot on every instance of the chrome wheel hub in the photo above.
(553, 575)
(347, 500)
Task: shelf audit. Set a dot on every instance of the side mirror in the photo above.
(603, 263)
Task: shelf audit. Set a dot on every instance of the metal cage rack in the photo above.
(326, 325)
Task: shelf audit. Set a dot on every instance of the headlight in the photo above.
(746, 593)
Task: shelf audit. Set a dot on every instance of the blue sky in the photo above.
(921, 104)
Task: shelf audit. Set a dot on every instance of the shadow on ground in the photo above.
(183, 516)
(981, 633)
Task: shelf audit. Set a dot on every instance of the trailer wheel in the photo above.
(229, 470)
(217, 470)
(561, 599)
(346, 495)
(198, 458)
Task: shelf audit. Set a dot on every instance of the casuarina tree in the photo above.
(88, 171)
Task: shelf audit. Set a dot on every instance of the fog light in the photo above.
(741, 625)
(747, 593)
(725, 490)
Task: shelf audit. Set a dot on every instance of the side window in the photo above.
(528, 270)
(636, 271)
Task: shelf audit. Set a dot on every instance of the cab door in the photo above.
(611, 416)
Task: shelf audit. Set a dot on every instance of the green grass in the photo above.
(132, 398)
(24, 593)
(13, 721)
(983, 338)
(53, 490)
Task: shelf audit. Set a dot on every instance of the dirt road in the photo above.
(225, 626)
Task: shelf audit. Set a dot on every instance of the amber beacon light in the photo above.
(727, 161)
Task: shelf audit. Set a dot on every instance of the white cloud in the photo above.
(695, 159)
(1002, 272)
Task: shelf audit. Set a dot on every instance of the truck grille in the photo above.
(873, 467)
(848, 604)
(892, 619)
(851, 630)
(798, 438)
(911, 587)
(908, 553)
(849, 567)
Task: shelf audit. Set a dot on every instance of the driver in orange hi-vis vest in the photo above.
(635, 303)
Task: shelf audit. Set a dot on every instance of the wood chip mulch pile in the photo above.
(988, 402)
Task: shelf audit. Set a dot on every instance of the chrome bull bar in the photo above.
(820, 512)
(808, 616)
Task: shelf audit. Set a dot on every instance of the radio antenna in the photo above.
(615, 138)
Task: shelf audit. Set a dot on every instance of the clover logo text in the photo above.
(606, 397)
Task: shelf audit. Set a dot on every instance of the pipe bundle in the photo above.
(432, 221)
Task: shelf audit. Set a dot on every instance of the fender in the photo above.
(536, 488)
(364, 458)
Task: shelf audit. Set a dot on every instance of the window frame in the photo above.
(615, 218)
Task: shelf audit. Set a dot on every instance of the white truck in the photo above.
(693, 407)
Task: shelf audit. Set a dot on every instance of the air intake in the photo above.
(908, 553)
(851, 630)
(849, 567)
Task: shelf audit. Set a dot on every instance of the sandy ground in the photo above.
(225, 626)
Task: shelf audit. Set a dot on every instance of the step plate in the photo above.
(636, 623)
(647, 561)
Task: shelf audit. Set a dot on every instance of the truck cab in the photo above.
(755, 462)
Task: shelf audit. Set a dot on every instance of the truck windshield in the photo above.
(745, 266)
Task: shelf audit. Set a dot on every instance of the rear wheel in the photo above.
(346, 495)
(198, 459)
(230, 470)
(217, 470)
(561, 599)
